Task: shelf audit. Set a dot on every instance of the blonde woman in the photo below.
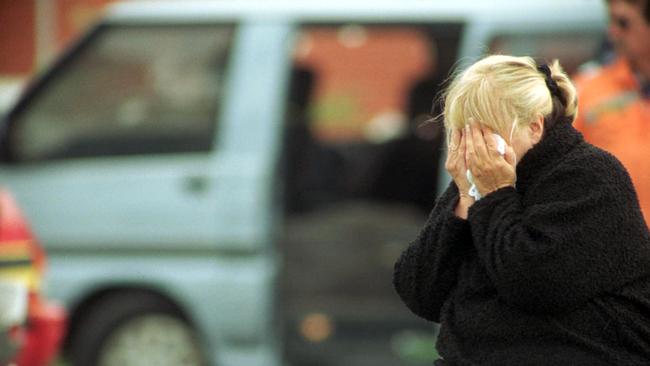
(537, 253)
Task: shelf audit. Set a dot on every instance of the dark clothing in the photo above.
(554, 272)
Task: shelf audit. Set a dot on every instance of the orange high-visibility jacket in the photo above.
(614, 115)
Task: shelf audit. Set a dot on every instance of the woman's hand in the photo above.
(457, 168)
(490, 170)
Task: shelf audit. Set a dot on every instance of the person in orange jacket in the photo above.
(614, 99)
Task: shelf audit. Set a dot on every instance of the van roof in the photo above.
(556, 11)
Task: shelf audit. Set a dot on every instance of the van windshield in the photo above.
(128, 90)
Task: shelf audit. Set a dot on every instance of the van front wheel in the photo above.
(135, 329)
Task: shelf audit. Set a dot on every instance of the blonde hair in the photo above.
(506, 92)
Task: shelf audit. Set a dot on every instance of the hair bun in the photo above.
(551, 84)
(566, 92)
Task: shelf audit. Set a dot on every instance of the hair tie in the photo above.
(551, 84)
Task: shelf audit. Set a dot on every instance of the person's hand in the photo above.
(457, 168)
(490, 170)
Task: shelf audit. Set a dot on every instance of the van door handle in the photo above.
(196, 183)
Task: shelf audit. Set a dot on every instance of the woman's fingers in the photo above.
(454, 141)
(489, 170)
(479, 141)
(453, 159)
(462, 147)
(490, 141)
(476, 154)
(455, 164)
(469, 144)
(510, 156)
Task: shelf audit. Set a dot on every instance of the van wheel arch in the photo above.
(90, 307)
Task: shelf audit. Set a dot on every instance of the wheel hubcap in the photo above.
(153, 339)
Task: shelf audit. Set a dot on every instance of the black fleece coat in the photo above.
(553, 272)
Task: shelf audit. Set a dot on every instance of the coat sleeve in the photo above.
(426, 271)
(579, 235)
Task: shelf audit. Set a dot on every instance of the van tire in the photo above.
(117, 316)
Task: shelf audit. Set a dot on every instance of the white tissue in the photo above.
(501, 148)
(501, 144)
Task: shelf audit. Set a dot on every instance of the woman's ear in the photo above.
(536, 129)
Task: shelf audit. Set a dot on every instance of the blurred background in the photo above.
(230, 182)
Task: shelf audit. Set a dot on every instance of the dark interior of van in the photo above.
(363, 144)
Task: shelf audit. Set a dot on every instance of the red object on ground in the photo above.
(44, 333)
(24, 261)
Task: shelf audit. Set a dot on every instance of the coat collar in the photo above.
(556, 143)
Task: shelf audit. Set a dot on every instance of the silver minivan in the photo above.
(228, 183)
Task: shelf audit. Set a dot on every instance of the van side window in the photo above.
(547, 46)
(361, 113)
(128, 90)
